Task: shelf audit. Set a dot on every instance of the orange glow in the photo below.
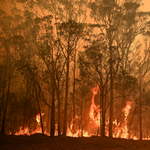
(94, 112)
(120, 128)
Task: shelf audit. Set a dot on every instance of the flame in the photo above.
(120, 128)
(26, 130)
(38, 117)
(78, 132)
(94, 112)
(126, 111)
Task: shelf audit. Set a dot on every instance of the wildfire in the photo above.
(26, 130)
(126, 111)
(38, 118)
(94, 112)
(120, 129)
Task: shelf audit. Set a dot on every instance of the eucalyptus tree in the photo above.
(70, 32)
(119, 24)
(68, 16)
(94, 64)
(141, 66)
(8, 67)
(24, 41)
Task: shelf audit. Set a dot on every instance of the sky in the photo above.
(146, 5)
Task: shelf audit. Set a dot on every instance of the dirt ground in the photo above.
(43, 142)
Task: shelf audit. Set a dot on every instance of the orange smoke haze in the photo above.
(144, 7)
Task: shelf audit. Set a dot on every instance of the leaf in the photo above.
(2, 12)
(131, 5)
(37, 20)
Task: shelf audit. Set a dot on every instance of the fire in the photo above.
(38, 118)
(94, 112)
(78, 132)
(26, 130)
(126, 111)
(120, 128)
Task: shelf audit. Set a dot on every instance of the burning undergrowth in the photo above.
(91, 125)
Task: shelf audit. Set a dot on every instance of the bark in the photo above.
(58, 97)
(6, 106)
(2, 102)
(66, 92)
(3, 92)
(39, 109)
(111, 94)
(73, 96)
(53, 99)
(53, 111)
(140, 103)
(81, 118)
(102, 120)
(74, 85)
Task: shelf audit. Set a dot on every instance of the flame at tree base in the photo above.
(120, 129)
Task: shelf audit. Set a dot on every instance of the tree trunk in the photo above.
(53, 111)
(74, 86)
(3, 93)
(59, 131)
(2, 104)
(140, 103)
(5, 110)
(39, 109)
(102, 120)
(53, 99)
(111, 94)
(81, 118)
(66, 93)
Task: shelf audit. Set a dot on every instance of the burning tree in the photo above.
(119, 24)
(46, 49)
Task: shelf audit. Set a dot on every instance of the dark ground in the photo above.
(43, 142)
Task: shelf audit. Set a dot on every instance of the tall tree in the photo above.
(119, 25)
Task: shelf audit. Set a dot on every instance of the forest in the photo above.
(75, 68)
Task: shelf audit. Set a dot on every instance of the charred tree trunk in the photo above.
(140, 103)
(2, 104)
(102, 120)
(39, 109)
(58, 97)
(53, 110)
(5, 110)
(3, 95)
(73, 101)
(81, 118)
(53, 99)
(111, 93)
(66, 92)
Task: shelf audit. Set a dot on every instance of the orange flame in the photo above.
(120, 129)
(94, 112)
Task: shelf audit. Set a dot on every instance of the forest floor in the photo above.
(43, 142)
